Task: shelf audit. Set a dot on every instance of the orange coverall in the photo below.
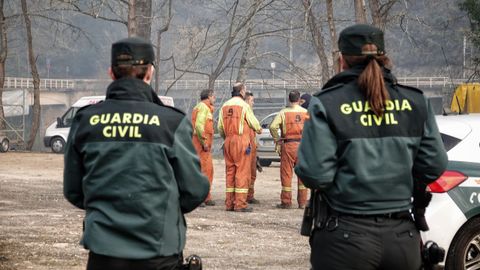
(202, 121)
(253, 168)
(236, 118)
(290, 120)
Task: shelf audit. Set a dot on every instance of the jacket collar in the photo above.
(353, 73)
(208, 105)
(132, 89)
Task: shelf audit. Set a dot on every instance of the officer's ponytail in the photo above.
(371, 80)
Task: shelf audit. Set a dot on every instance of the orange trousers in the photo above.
(288, 160)
(237, 171)
(253, 173)
(206, 163)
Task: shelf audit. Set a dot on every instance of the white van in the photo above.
(57, 133)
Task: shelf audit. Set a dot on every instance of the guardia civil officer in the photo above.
(131, 165)
(369, 139)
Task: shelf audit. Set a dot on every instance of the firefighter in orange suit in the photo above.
(235, 120)
(202, 121)
(290, 121)
(249, 99)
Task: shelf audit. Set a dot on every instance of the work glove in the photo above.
(278, 149)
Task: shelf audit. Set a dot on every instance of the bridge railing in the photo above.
(22, 83)
(27, 83)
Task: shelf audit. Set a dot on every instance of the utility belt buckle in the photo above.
(332, 223)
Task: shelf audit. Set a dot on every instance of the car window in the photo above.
(449, 142)
(267, 121)
(67, 118)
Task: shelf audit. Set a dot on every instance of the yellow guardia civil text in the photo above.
(366, 118)
(123, 125)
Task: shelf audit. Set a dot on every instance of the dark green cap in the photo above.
(353, 38)
(132, 51)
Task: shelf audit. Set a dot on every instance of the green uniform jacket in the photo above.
(130, 163)
(366, 164)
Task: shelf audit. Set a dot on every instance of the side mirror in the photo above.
(59, 122)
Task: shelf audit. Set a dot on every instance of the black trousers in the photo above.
(366, 243)
(101, 262)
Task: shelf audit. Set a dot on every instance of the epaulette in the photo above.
(333, 87)
(409, 87)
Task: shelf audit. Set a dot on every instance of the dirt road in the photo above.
(40, 230)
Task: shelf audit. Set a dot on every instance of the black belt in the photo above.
(395, 215)
(291, 140)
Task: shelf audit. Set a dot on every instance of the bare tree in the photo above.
(222, 46)
(333, 35)
(140, 18)
(380, 11)
(360, 13)
(247, 50)
(35, 76)
(317, 38)
(136, 15)
(162, 30)
(3, 58)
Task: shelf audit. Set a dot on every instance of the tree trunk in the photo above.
(159, 44)
(317, 38)
(360, 14)
(132, 19)
(247, 51)
(3, 58)
(157, 68)
(140, 18)
(244, 60)
(143, 12)
(35, 76)
(333, 35)
(375, 11)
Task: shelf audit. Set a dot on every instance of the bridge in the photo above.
(271, 95)
(84, 84)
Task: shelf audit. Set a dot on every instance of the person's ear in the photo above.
(149, 75)
(342, 64)
(110, 73)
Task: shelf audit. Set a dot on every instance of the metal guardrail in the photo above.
(25, 83)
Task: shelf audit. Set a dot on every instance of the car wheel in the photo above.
(464, 253)
(58, 145)
(5, 145)
(265, 162)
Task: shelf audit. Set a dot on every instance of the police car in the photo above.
(454, 212)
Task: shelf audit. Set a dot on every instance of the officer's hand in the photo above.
(205, 148)
(278, 149)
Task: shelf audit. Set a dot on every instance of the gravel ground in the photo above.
(39, 229)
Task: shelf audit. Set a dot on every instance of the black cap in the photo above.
(353, 38)
(132, 51)
(307, 97)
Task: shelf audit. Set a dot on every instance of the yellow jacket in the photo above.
(202, 120)
(290, 120)
(235, 117)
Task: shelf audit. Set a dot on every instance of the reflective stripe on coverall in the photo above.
(290, 120)
(202, 121)
(235, 119)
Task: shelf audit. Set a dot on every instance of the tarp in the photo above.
(466, 98)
